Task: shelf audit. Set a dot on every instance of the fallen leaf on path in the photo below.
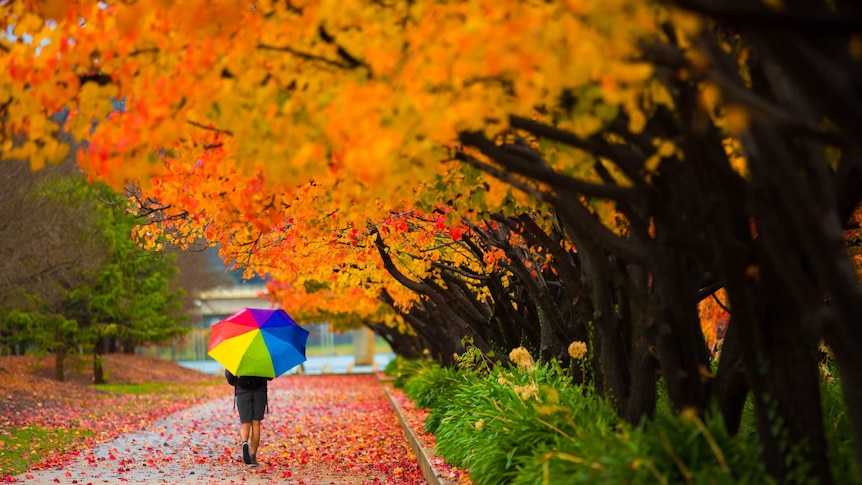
(330, 428)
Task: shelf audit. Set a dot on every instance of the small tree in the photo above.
(132, 300)
(73, 276)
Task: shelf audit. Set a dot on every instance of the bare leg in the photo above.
(255, 437)
(244, 431)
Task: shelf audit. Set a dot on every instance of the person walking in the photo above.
(250, 399)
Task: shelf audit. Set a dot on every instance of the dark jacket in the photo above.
(245, 384)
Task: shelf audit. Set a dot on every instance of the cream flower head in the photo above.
(577, 349)
(527, 391)
(522, 358)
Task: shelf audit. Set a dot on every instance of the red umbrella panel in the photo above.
(258, 342)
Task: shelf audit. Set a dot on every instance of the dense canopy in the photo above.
(496, 174)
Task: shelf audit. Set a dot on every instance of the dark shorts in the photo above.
(251, 406)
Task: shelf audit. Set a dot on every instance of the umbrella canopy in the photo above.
(255, 342)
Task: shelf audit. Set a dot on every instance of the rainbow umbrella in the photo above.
(254, 342)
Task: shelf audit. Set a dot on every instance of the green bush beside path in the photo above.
(532, 425)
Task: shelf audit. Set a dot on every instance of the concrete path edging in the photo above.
(423, 454)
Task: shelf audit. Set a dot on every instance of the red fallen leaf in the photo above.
(338, 423)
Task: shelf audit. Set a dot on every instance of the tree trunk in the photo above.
(60, 363)
(98, 370)
(730, 387)
(643, 366)
(434, 335)
(59, 351)
(129, 346)
(610, 363)
(785, 382)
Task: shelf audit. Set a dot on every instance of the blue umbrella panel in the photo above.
(257, 342)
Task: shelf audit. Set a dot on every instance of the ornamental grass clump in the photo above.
(528, 423)
(494, 425)
(402, 369)
(672, 448)
(432, 388)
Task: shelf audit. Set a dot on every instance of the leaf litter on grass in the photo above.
(321, 429)
(31, 399)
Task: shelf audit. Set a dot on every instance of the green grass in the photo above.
(142, 388)
(22, 448)
(150, 388)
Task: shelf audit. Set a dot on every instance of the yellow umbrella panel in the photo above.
(255, 342)
(245, 355)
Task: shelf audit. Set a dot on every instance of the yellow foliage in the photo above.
(736, 119)
(686, 23)
(284, 130)
(710, 96)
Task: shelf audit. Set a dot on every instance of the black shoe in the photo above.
(246, 456)
(253, 461)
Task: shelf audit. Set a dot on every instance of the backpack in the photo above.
(249, 383)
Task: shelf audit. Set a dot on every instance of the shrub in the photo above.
(432, 388)
(532, 425)
(403, 369)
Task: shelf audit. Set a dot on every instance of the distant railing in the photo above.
(238, 291)
(222, 302)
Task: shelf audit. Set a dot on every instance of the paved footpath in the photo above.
(319, 430)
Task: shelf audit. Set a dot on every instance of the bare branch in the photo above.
(209, 128)
(305, 55)
(541, 172)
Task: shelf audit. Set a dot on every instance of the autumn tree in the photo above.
(735, 206)
(682, 146)
(798, 190)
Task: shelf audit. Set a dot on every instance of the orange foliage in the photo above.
(381, 84)
(714, 318)
(292, 133)
(854, 239)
